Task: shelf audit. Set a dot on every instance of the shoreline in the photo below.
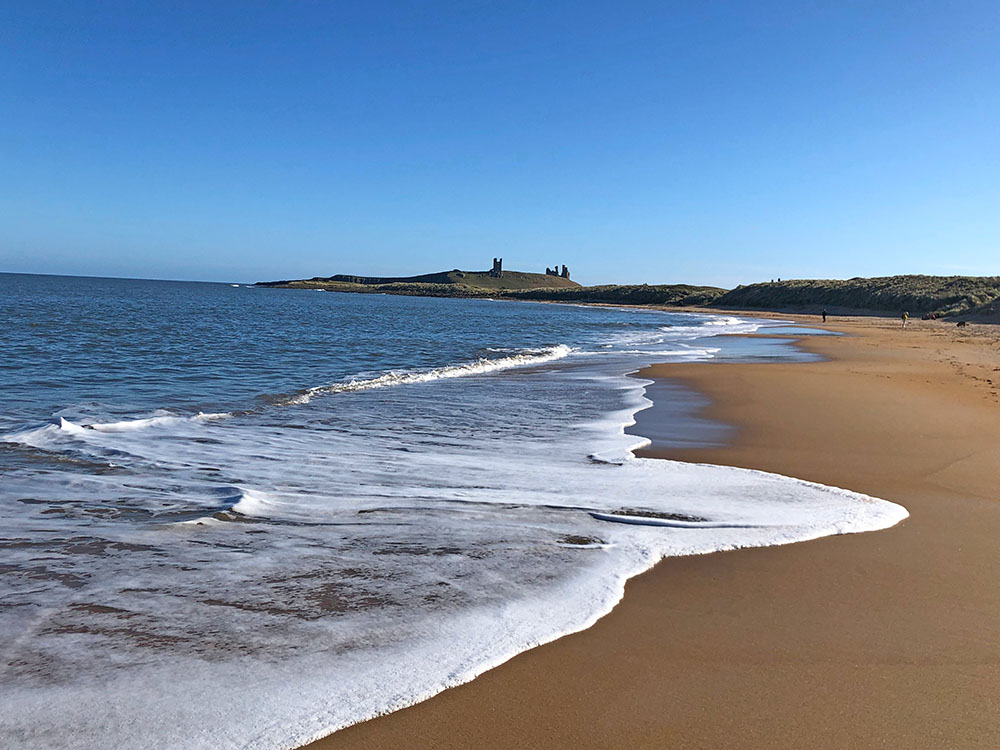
(885, 637)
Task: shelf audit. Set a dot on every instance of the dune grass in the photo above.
(944, 295)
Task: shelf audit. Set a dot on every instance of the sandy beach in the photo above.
(887, 639)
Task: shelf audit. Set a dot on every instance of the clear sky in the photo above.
(657, 142)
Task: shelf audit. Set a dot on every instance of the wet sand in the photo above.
(887, 639)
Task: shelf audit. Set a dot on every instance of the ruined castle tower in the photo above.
(497, 271)
(554, 271)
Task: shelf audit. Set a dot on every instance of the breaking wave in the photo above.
(60, 428)
(481, 366)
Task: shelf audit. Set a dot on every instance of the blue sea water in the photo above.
(246, 517)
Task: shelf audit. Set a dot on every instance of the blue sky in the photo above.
(700, 142)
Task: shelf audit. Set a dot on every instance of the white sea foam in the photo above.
(643, 339)
(53, 434)
(412, 654)
(159, 421)
(727, 321)
(42, 437)
(712, 327)
(479, 367)
(255, 504)
(691, 353)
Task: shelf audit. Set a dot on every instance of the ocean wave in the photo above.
(61, 428)
(244, 505)
(638, 340)
(715, 327)
(44, 436)
(725, 320)
(126, 425)
(480, 366)
(703, 353)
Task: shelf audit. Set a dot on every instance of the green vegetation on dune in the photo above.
(418, 289)
(944, 295)
(513, 280)
(671, 295)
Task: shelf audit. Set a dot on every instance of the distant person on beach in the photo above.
(824, 316)
(906, 317)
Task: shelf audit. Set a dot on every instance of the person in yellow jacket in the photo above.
(906, 317)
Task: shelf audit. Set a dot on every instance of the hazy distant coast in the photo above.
(976, 297)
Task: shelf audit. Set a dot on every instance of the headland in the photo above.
(958, 297)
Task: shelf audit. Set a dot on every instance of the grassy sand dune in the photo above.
(944, 295)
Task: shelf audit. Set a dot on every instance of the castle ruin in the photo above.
(556, 272)
(497, 272)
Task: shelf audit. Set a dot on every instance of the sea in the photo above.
(241, 517)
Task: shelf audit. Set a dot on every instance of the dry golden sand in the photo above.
(888, 639)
